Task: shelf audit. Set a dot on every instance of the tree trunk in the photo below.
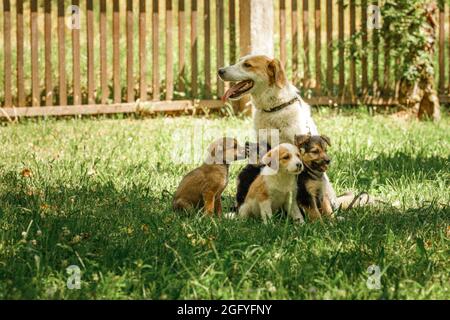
(422, 96)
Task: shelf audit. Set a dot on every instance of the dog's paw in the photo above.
(230, 215)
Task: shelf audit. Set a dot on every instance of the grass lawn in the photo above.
(96, 193)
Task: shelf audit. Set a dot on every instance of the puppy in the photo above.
(272, 189)
(254, 152)
(203, 186)
(311, 183)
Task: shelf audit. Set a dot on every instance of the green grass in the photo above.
(100, 197)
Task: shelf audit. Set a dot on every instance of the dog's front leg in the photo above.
(294, 212)
(218, 206)
(265, 208)
(208, 199)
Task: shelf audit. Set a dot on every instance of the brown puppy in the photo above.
(311, 183)
(203, 186)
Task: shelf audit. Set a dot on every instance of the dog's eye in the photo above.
(286, 157)
(247, 65)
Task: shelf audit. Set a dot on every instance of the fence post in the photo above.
(256, 19)
(256, 27)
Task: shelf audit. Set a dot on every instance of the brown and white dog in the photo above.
(276, 186)
(203, 186)
(276, 102)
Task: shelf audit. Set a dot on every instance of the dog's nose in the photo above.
(221, 71)
(299, 165)
(327, 161)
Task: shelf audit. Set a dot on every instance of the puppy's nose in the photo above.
(327, 161)
(221, 71)
(299, 165)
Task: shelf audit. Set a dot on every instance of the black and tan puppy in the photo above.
(311, 183)
(203, 186)
(254, 151)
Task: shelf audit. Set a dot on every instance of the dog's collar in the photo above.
(282, 106)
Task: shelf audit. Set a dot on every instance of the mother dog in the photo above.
(277, 105)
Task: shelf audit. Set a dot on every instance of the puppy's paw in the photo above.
(230, 215)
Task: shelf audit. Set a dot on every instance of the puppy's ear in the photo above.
(267, 158)
(301, 139)
(326, 139)
(276, 73)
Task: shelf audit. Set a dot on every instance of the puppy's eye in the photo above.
(247, 65)
(286, 157)
(315, 151)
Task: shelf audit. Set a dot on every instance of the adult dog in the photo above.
(277, 105)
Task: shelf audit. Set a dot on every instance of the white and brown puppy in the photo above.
(203, 186)
(276, 186)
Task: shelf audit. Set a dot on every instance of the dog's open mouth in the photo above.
(238, 90)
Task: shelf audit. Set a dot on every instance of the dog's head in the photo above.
(253, 73)
(285, 158)
(224, 151)
(313, 150)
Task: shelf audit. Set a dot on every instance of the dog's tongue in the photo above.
(233, 90)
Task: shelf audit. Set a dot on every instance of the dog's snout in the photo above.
(299, 165)
(222, 72)
(327, 160)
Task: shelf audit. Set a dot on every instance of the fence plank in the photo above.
(294, 34)
(48, 52)
(306, 53)
(103, 54)
(7, 69)
(318, 48)
(181, 46)
(76, 61)
(441, 49)
(330, 67)
(283, 54)
(194, 49)
(20, 60)
(232, 27)
(62, 54)
(387, 67)
(352, 59)
(142, 50)
(34, 55)
(220, 43)
(207, 26)
(155, 50)
(169, 50)
(90, 50)
(375, 59)
(116, 52)
(130, 76)
(364, 63)
(341, 47)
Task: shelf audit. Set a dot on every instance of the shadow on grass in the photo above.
(397, 166)
(110, 231)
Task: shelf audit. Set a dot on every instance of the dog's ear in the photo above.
(267, 158)
(301, 139)
(276, 73)
(326, 139)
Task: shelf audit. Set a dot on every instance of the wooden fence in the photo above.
(163, 55)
